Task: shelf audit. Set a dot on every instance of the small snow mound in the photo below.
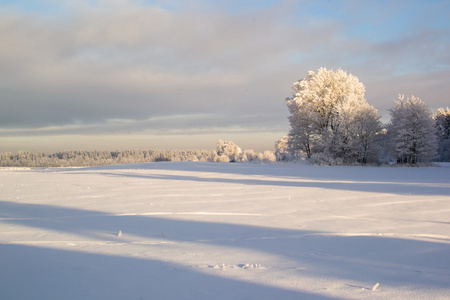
(248, 266)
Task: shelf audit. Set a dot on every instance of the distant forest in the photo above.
(101, 158)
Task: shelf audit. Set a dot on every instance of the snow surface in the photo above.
(174, 230)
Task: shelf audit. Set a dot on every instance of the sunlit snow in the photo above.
(225, 231)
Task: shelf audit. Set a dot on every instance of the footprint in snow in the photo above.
(238, 266)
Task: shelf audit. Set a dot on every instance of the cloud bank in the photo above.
(207, 67)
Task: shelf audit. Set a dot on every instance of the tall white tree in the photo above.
(331, 119)
(411, 131)
(442, 119)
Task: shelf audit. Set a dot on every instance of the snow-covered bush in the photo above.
(282, 152)
(326, 160)
(222, 158)
(411, 132)
(230, 152)
(230, 149)
(269, 156)
(249, 155)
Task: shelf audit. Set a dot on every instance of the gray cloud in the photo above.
(120, 67)
(168, 125)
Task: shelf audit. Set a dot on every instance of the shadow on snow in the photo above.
(403, 181)
(51, 273)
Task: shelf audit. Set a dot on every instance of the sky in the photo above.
(123, 74)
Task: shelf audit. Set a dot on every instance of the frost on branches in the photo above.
(411, 133)
(282, 152)
(230, 152)
(330, 119)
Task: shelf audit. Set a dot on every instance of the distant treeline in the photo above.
(100, 158)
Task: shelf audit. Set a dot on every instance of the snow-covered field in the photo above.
(225, 231)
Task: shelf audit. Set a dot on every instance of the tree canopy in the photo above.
(330, 119)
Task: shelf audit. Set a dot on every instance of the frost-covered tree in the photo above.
(355, 134)
(442, 120)
(230, 149)
(230, 152)
(282, 152)
(304, 133)
(411, 132)
(330, 118)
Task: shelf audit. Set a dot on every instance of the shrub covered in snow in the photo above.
(230, 152)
